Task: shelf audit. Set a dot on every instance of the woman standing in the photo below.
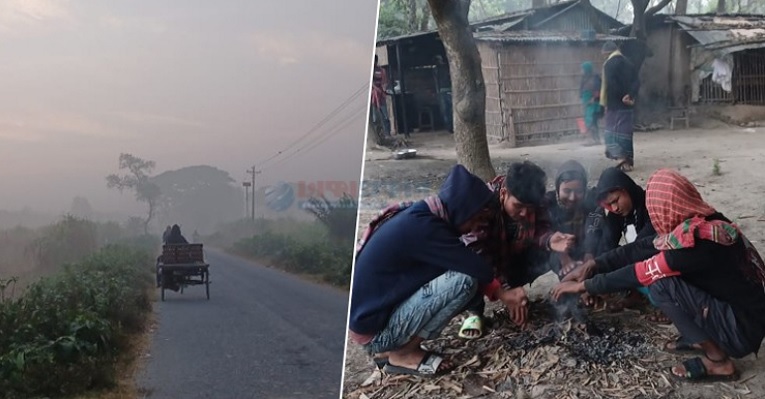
(589, 92)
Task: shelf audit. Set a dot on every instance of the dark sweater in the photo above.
(613, 225)
(709, 266)
(414, 247)
(621, 79)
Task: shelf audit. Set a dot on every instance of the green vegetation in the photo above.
(62, 334)
(716, 171)
(317, 256)
(321, 248)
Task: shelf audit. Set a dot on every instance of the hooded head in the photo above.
(465, 196)
(608, 48)
(570, 184)
(672, 199)
(618, 193)
(587, 67)
(175, 230)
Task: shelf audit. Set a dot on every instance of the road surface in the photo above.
(263, 334)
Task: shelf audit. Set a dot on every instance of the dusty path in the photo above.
(263, 334)
(737, 191)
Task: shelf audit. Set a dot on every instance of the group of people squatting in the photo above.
(421, 264)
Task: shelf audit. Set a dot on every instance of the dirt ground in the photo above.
(725, 162)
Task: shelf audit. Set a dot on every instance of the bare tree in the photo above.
(137, 179)
(641, 12)
(468, 90)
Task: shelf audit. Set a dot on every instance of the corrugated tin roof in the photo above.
(502, 22)
(545, 36)
(725, 33)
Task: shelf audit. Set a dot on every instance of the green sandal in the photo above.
(474, 322)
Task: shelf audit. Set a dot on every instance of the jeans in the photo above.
(684, 304)
(426, 313)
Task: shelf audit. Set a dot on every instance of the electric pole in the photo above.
(247, 186)
(253, 172)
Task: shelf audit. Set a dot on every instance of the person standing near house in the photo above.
(589, 92)
(379, 89)
(444, 89)
(617, 95)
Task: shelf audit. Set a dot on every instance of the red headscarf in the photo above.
(678, 213)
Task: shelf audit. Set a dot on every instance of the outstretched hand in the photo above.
(578, 272)
(516, 301)
(567, 287)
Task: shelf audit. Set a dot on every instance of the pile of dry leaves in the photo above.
(600, 356)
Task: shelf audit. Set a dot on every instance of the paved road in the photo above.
(263, 334)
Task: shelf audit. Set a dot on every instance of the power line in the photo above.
(317, 141)
(321, 123)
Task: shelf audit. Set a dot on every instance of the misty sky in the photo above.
(225, 83)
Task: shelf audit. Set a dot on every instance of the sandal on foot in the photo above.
(474, 322)
(428, 367)
(625, 165)
(681, 347)
(695, 371)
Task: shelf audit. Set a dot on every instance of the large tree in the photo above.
(137, 179)
(201, 197)
(468, 90)
(639, 49)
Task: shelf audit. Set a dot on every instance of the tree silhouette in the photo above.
(137, 180)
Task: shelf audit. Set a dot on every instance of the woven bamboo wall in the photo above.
(539, 88)
(495, 125)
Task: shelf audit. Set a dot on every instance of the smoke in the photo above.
(567, 306)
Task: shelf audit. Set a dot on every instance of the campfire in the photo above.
(562, 353)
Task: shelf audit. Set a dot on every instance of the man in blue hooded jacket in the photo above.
(413, 274)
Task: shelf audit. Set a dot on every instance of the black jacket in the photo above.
(716, 269)
(621, 78)
(614, 225)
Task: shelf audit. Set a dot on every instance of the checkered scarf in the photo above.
(678, 213)
(434, 203)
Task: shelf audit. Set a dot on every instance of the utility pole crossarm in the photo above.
(252, 171)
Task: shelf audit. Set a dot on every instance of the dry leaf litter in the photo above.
(595, 355)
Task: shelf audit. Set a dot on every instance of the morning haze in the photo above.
(225, 84)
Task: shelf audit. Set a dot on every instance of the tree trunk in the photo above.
(681, 7)
(148, 218)
(639, 50)
(468, 90)
(721, 6)
(424, 16)
(411, 10)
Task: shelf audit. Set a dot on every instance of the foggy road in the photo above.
(263, 334)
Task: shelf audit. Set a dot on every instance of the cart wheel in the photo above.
(207, 284)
